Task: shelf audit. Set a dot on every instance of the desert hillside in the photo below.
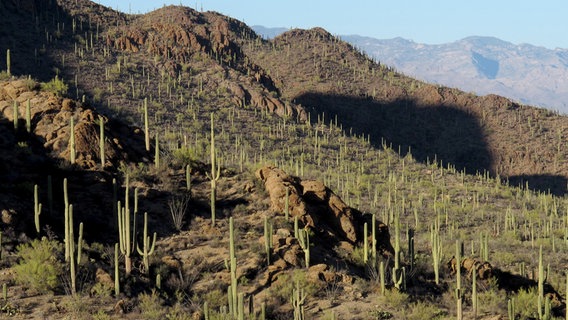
(174, 165)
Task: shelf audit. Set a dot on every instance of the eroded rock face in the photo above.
(318, 208)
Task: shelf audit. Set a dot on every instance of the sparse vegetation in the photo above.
(417, 156)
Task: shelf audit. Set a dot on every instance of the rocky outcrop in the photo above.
(243, 94)
(318, 208)
(50, 122)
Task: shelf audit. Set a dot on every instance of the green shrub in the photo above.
(151, 306)
(422, 310)
(38, 268)
(55, 86)
(526, 304)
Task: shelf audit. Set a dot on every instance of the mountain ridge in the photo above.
(523, 72)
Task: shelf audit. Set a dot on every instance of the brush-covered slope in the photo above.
(201, 74)
(473, 133)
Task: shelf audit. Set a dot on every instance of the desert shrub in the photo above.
(422, 310)
(177, 312)
(101, 291)
(151, 306)
(215, 299)
(284, 287)
(526, 304)
(394, 299)
(491, 301)
(101, 315)
(38, 268)
(4, 75)
(184, 156)
(55, 86)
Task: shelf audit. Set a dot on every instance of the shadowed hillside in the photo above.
(500, 136)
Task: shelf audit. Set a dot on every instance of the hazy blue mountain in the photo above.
(268, 33)
(530, 74)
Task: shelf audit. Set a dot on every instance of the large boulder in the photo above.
(319, 208)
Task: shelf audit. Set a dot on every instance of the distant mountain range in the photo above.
(529, 74)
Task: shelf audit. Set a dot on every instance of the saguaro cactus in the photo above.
(124, 231)
(540, 285)
(298, 299)
(215, 172)
(116, 271)
(28, 116)
(146, 130)
(147, 247)
(458, 281)
(16, 115)
(72, 140)
(102, 141)
(8, 62)
(37, 208)
(74, 260)
(304, 239)
(436, 244)
(398, 272)
(267, 239)
(233, 298)
(157, 152)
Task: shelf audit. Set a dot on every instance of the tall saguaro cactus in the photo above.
(232, 291)
(215, 171)
(398, 272)
(458, 281)
(16, 115)
(74, 252)
(28, 116)
(8, 62)
(146, 130)
(102, 140)
(37, 208)
(72, 140)
(124, 234)
(147, 247)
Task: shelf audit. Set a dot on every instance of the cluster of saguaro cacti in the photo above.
(298, 299)
(72, 253)
(436, 244)
(124, 230)
(215, 171)
(234, 301)
(303, 237)
(544, 304)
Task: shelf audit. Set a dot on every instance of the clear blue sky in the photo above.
(542, 23)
